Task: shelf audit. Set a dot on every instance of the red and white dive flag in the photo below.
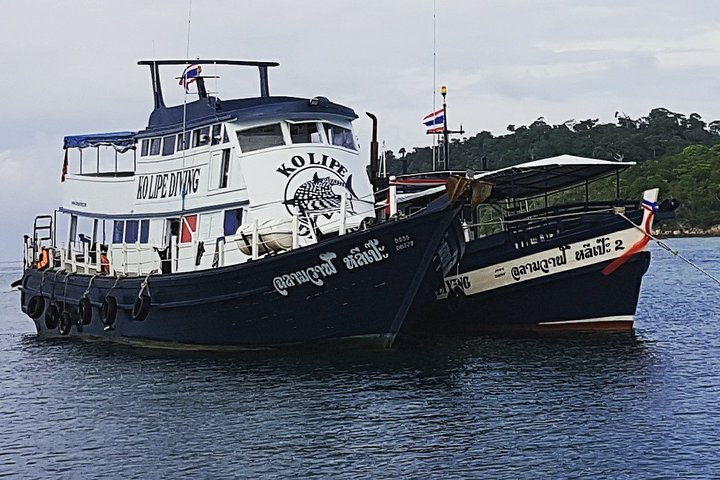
(189, 75)
(435, 121)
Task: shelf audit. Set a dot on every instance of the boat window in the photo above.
(340, 136)
(189, 227)
(131, 231)
(216, 134)
(144, 147)
(168, 145)
(233, 220)
(144, 231)
(201, 137)
(183, 140)
(260, 137)
(305, 133)
(155, 146)
(118, 228)
(224, 168)
(225, 135)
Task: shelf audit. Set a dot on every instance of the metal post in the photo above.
(392, 199)
(446, 136)
(295, 228)
(343, 212)
(255, 240)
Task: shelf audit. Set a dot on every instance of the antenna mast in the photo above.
(434, 93)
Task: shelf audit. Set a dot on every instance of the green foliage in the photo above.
(678, 154)
(692, 176)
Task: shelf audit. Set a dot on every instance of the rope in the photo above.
(145, 285)
(87, 290)
(667, 247)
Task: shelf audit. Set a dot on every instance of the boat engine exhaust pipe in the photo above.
(374, 152)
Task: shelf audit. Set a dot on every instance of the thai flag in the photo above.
(435, 121)
(189, 75)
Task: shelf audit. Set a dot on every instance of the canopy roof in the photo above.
(548, 175)
(120, 141)
(538, 177)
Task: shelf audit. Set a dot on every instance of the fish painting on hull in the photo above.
(318, 196)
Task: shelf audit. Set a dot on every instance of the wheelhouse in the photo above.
(209, 182)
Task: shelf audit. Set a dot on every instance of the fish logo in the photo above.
(321, 196)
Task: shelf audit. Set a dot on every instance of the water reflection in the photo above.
(551, 406)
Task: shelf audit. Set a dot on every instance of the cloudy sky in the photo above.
(70, 67)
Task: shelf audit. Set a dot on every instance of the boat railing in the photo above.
(537, 226)
(568, 209)
(133, 259)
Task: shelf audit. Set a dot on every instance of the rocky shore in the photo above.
(680, 232)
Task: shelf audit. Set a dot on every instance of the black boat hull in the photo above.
(579, 300)
(586, 280)
(360, 286)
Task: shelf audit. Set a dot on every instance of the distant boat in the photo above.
(239, 223)
(570, 266)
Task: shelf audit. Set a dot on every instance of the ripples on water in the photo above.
(569, 406)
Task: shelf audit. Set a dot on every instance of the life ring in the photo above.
(141, 308)
(85, 310)
(44, 261)
(65, 323)
(36, 307)
(52, 316)
(108, 310)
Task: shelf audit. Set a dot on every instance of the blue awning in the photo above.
(120, 141)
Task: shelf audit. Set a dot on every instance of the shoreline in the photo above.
(713, 231)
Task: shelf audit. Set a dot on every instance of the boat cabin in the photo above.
(209, 182)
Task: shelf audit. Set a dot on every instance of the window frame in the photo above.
(166, 139)
(281, 131)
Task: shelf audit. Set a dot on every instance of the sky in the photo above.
(71, 68)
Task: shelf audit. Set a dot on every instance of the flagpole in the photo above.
(446, 132)
(183, 193)
(434, 93)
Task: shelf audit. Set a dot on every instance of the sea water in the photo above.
(642, 405)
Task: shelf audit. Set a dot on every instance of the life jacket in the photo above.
(44, 261)
(104, 264)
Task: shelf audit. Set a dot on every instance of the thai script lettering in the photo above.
(165, 185)
(543, 265)
(602, 247)
(373, 252)
(314, 274)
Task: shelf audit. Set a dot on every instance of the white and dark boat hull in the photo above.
(587, 279)
(579, 299)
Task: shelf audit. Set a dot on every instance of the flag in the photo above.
(65, 167)
(435, 121)
(189, 75)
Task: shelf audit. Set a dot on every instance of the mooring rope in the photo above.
(667, 247)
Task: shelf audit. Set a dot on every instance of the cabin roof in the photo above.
(212, 109)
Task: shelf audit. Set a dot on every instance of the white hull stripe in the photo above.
(617, 318)
(545, 263)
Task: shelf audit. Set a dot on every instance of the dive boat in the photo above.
(568, 266)
(230, 223)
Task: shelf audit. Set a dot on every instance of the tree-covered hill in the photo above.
(677, 153)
